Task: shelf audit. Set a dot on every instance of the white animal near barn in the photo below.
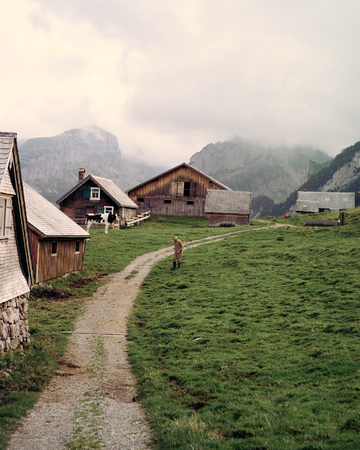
(105, 218)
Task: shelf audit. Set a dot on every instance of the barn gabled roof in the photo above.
(47, 220)
(173, 170)
(11, 184)
(109, 187)
(227, 202)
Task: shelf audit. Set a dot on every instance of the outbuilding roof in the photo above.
(307, 206)
(173, 170)
(109, 187)
(227, 202)
(334, 201)
(47, 219)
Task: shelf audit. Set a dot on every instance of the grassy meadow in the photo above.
(54, 307)
(253, 344)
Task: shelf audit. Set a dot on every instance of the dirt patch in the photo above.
(51, 294)
(87, 280)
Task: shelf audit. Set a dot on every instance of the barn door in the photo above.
(173, 189)
(180, 189)
(193, 189)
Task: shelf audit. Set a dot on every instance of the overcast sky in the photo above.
(168, 77)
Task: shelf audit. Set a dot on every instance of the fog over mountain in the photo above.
(249, 166)
(50, 165)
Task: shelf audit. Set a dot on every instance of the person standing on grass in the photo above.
(179, 246)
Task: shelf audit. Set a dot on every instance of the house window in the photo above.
(53, 248)
(95, 193)
(167, 201)
(190, 202)
(5, 216)
(187, 189)
(109, 209)
(140, 199)
(77, 247)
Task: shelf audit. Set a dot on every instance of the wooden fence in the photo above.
(135, 221)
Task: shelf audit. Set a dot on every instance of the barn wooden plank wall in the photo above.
(49, 265)
(181, 192)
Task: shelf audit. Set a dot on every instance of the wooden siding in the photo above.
(171, 195)
(66, 259)
(76, 207)
(228, 220)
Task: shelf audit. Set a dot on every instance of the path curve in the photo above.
(91, 398)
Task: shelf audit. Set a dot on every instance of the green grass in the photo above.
(31, 369)
(27, 371)
(254, 343)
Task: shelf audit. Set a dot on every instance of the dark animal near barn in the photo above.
(106, 218)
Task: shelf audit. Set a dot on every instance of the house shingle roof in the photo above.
(227, 202)
(109, 187)
(6, 144)
(115, 192)
(48, 219)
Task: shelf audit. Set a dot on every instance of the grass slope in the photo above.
(55, 306)
(254, 343)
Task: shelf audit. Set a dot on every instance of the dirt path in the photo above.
(91, 399)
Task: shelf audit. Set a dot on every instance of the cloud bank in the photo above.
(168, 77)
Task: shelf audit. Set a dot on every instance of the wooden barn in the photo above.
(313, 202)
(180, 191)
(16, 273)
(57, 242)
(228, 208)
(94, 195)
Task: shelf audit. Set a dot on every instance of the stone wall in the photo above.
(14, 330)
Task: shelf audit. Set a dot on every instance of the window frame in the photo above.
(93, 192)
(6, 209)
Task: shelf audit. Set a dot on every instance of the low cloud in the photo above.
(170, 77)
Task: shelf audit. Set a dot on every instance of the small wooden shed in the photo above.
(309, 202)
(94, 195)
(57, 242)
(16, 273)
(228, 208)
(180, 191)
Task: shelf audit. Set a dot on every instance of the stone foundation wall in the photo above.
(14, 329)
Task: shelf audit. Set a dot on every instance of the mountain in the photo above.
(50, 165)
(341, 175)
(273, 172)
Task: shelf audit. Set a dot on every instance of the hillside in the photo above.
(343, 174)
(273, 172)
(50, 165)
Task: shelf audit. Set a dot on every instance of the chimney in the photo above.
(81, 174)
